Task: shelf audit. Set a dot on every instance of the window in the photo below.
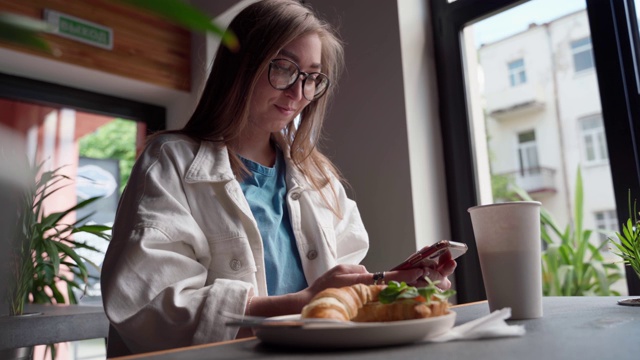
(593, 139)
(582, 54)
(517, 75)
(95, 138)
(612, 50)
(607, 221)
(92, 141)
(528, 153)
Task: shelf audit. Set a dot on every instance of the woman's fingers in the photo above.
(441, 280)
(446, 265)
(347, 275)
(409, 276)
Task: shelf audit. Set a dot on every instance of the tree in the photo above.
(115, 140)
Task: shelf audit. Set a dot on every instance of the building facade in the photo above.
(543, 120)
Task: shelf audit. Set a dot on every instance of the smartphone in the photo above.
(428, 255)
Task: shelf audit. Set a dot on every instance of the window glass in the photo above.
(517, 74)
(607, 223)
(95, 152)
(582, 54)
(527, 136)
(594, 141)
(528, 153)
(542, 133)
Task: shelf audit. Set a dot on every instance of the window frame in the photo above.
(527, 151)
(595, 135)
(45, 93)
(603, 224)
(517, 75)
(614, 40)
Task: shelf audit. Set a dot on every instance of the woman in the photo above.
(239, 211)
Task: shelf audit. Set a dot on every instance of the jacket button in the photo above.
(312, 254)
(235, 264)
(295, 196)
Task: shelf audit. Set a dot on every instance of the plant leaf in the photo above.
(24, 31)
(188, 16)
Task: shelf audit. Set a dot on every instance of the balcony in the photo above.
(515, 101)
(537, 181)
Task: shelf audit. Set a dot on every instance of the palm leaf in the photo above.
(571, 265)
(628, 248)
(47, 248)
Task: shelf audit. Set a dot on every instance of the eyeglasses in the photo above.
(284, 73)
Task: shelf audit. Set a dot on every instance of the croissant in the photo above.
(341, 303)
(360, 303)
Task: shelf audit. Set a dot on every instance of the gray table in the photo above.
(572, 328)
(56, 323)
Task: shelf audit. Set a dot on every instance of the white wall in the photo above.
(580, 98)
(428, 181)
(533, 46)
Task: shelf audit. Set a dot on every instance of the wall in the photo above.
(580, 98)
(534, 47)
(145, 47)
(383, 128)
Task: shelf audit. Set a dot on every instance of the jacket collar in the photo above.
(211, 164)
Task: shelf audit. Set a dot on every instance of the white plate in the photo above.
(357, 335)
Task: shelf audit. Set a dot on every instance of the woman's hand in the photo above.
(347, 275)
(440, 273)
(339, 276)
(437, 274)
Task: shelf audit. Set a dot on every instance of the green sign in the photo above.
(80, 30)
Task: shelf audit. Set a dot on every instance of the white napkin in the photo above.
(490, 326)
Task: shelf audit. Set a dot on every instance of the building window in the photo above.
(582, 54)
(528, 153)
(517, 75)
(593, 139)
(607, 222)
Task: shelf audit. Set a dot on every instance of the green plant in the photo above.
(571, 264)
(502, 186)
(629, 245)
(24, 30)
(115, 140)
(44, 247)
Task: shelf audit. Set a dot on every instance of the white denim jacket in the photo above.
(186, 245)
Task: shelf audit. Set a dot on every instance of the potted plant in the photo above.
(571, 264)
(43, 254)
(628, 246)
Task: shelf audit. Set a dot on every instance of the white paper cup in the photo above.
(509, 247)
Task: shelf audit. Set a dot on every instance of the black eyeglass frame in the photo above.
(304, 79)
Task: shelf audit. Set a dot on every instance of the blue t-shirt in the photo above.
(265, 191)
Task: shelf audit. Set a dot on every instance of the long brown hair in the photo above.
(263, 29)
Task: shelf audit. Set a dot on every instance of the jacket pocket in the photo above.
(231, 257)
